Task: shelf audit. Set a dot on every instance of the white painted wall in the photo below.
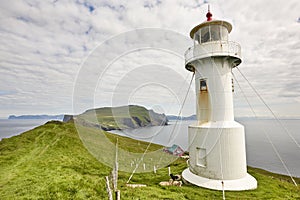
(224, 144)
(217, 103)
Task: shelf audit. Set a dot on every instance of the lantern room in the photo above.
(211, 40)
(209, 31)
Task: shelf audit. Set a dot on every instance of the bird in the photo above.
(176, 177)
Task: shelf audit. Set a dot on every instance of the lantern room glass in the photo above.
(211, 33)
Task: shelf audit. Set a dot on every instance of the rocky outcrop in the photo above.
(68, 118)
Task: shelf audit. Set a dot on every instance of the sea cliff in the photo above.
(118, 118)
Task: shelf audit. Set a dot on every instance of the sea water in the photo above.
(12, 127)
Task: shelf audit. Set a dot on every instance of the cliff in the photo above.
(117, 118)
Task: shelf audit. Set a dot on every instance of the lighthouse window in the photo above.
(232, 85)
(203, 85)
(211, 33)
(205, 37)
(215, 32)
(196, 38)
(201, 157)
(224, 33)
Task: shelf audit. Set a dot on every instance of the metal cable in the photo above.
(265, 132)
(289, 134)
(184, 100)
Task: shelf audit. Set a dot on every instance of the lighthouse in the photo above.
(216, 142)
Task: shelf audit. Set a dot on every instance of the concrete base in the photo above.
(246, 183)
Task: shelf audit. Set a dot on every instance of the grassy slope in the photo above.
(50, 162)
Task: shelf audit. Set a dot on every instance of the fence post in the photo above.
(118, 195)
(110, 197)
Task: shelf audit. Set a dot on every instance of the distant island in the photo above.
(174, 117)
(54, 117)
(119, 118)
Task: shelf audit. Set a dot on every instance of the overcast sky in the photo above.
(50, 49)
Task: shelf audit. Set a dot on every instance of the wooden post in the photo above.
(154, 169)
(115, 170)
(223, 191)
(109, 193)
(118, 195)
(144, 165)
(169, 170)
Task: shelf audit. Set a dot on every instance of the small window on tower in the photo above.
(203, 86)
(232, 83)
(201, 157)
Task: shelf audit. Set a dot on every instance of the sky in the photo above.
(64, 56)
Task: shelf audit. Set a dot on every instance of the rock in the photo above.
(67, 118)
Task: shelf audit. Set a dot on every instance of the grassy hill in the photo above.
(123, 117)
(50, 162)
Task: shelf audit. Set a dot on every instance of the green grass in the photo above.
(50, 162)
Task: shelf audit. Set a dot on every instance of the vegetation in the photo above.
(50, 162)
(122, 117)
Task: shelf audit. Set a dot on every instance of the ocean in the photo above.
(12, 127)
(260, 135)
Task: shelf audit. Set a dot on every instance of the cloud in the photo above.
(44, 43)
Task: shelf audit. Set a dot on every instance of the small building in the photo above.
(174, 150)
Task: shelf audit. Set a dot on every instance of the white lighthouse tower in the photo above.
(217, 142)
